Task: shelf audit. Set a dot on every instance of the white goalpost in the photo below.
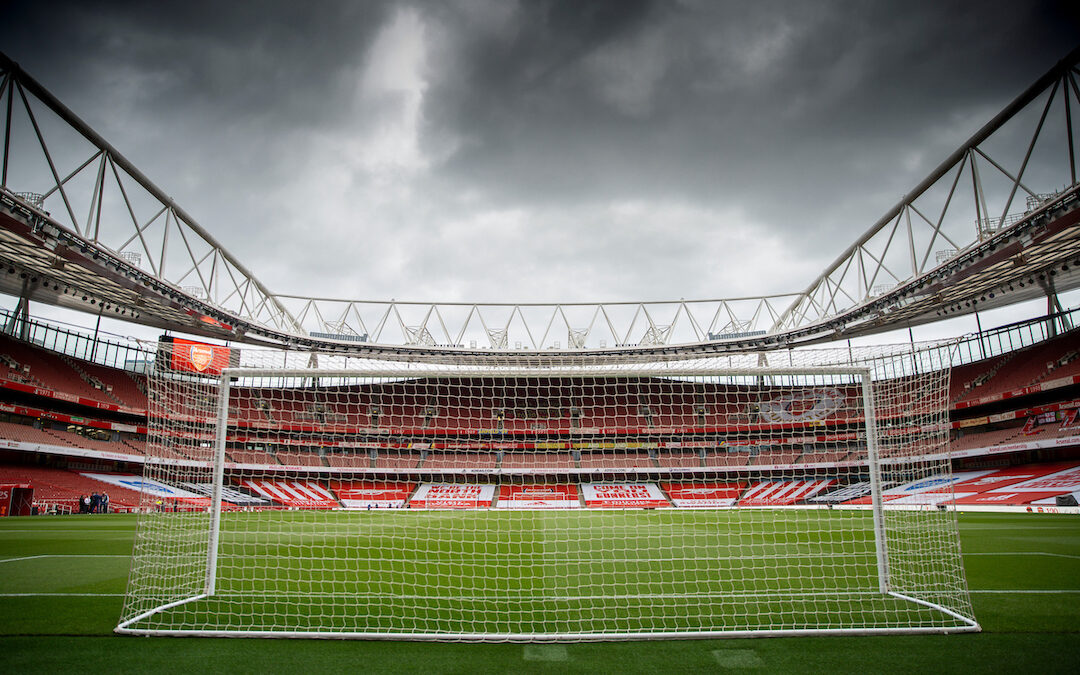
(550, 499)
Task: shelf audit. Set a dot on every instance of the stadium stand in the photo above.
(28, 434)
(660, 406)
(538, 460)
(460, 460)
(607, 460)
(354, 460)
(251, 456)
(726, 458)
(49, 370)
(299, 456)
(397, 460)
(678, 459)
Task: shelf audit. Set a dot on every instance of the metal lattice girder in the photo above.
(536, 326)
(1021, 160)
(56, 163)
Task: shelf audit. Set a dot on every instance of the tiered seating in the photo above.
(616, 460)
(357, 460)
(62, 486)
(986, 439)
(136, 445)
(537, 460)
(1019, 369)
(299, 457)
(119, 383)
(27, 434)
(11, 369)
(678, 458)
(248, 456)
(460, 460)
(967, 378)
(1031, 364)
(79, 441)
(722, 458)
(1066, 366)
(177, 451)
(819, 456)
(1049, 431)
(783, 455)
(50, 370)
(397, 460)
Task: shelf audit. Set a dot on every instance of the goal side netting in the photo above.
(754, 494)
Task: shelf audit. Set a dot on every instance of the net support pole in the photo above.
(880, 541)
(219, 476)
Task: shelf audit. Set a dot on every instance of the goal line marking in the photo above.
(567, 598)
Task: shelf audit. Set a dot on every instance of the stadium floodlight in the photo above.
(537, 504)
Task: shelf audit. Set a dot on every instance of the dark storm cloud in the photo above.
(749, 95)
(547, 149)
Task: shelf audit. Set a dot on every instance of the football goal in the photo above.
(548, 500)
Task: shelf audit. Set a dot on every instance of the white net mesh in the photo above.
(551, 500)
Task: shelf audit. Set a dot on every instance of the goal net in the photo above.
(753, 494)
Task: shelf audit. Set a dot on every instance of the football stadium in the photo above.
(465, 486)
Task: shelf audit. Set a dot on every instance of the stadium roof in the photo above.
(996, 223)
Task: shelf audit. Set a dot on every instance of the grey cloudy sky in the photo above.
(547, 150)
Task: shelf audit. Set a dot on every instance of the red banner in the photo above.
(198, 357)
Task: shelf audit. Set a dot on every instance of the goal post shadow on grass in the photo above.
(772, 568)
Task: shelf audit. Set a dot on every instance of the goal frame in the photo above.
(862, 376)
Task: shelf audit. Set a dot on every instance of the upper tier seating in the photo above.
(616, 459)
(537, 460)
(120, 386)
(1015, 370)
(460, 460)
(50, 371)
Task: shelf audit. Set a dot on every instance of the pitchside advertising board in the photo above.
(623, 495)
(560, 496)
(449, 496)
(201, 358)
(375, 495)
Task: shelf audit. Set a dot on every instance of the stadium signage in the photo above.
(200, 358)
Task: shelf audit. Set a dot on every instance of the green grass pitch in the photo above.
(62, 582)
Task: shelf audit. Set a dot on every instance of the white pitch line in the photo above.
(392, 596)
(29, 557)
(1026, 592)
(1052, 555)
(65, 555)
(61, 595)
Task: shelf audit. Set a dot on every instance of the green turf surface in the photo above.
(62, 580)
(501, 573)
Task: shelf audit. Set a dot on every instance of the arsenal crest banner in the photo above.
(201, 358)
